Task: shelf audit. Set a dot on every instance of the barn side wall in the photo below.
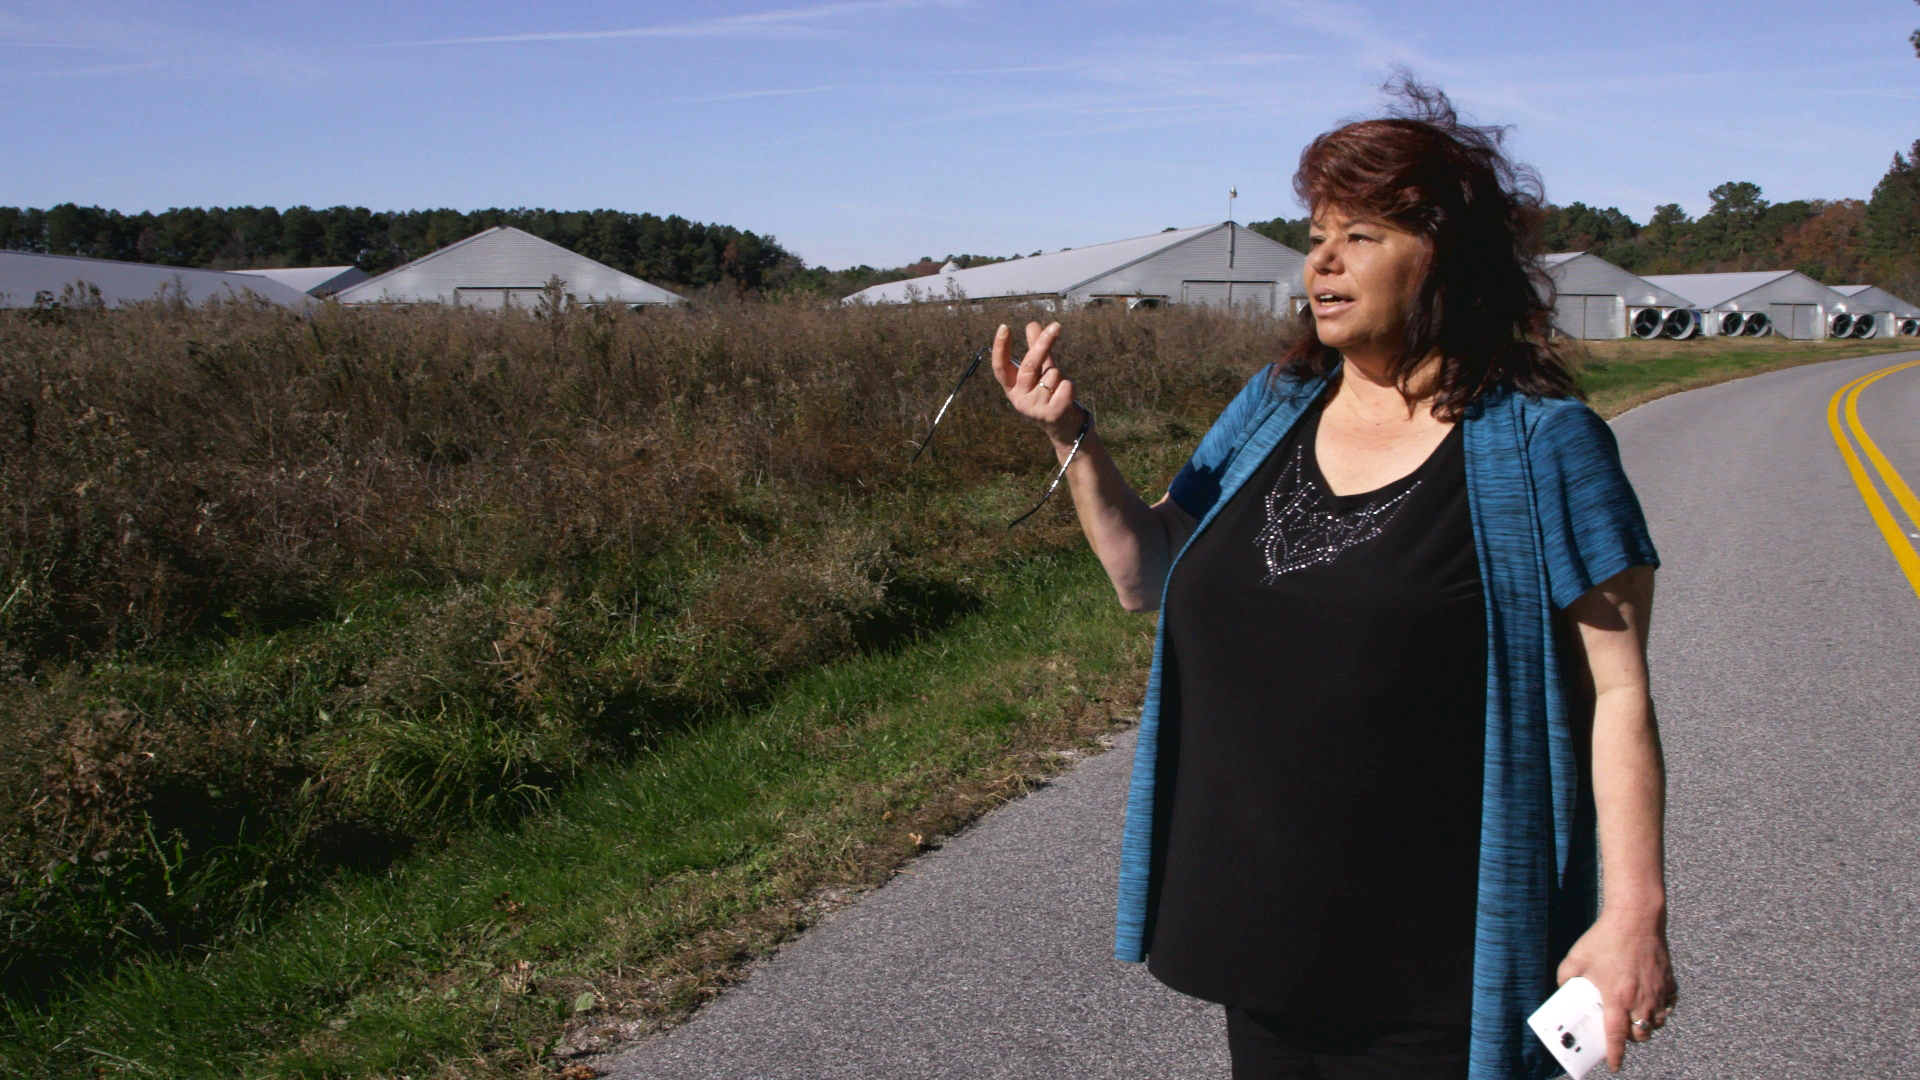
(1594, 295)
(1787, 302)
(1199, 270)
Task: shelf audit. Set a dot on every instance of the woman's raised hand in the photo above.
(1036, 386)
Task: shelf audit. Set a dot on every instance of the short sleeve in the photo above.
(1197, 486)
(1591, 524)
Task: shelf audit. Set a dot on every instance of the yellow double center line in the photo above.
(1846, 404)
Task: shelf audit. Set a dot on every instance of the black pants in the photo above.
(1270, 1047)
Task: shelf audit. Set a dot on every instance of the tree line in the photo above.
(666, 250)
(669, 251)
(1838, 242)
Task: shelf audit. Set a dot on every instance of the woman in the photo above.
(1400, 679)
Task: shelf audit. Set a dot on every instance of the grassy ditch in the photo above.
(287, 599)
(421, 692)
(1618, 375)
(634, 896)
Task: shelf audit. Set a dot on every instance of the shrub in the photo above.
(283, 594)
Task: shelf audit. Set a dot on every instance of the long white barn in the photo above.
(25, 275)
(1891, 315)
(1795, 305)
(1222, 265)
(1593, 298)
(504, 266)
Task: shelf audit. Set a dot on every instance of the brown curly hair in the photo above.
(1485, 305)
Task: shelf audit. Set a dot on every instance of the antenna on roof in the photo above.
(1232, 194)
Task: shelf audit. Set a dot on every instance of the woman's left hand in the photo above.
(1625, 957)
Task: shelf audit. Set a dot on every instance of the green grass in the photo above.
(642, 887)
(285, 597)
(628, 895)
(1621, 374)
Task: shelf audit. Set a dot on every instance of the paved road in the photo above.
(1787, 654)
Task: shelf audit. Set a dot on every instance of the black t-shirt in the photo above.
(1328, 654)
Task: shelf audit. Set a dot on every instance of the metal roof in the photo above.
(484, 267)
(313, 280)
(25, 273)
(1875, 298)
(1712, 290)
(1052, 274)
(1584, 273)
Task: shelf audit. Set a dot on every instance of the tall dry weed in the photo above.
(301, 590)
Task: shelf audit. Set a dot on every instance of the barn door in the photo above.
(1580, 315)
(1251, 296)
(1570, 315)
(1210, 293)
(1800, 321)
(1605, 318)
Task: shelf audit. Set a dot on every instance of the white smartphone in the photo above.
(1573, 1026)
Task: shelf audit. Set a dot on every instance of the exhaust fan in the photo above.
(1681, 323)
(1840, 324)
(1731, 323)
(1757, 324)
(1863, 325)
(1644, 323)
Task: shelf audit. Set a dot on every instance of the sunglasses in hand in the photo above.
(973, 366)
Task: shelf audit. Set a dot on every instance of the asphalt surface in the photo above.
(1786, 654)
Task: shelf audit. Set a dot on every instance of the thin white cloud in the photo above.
(785, 22)
(129, 47)
(748, 95)
(1908, 95)
(89, 71)
(1350, 23)
(1051, 105)
(1028, 69)
(1373, 47)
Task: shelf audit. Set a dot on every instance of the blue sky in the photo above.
(879, 131)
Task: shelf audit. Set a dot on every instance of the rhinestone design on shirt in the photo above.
(1301, 531)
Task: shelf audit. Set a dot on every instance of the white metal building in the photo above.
(1224, 265)
(1593, 298)
(1891, 315)
(313, 280)
(503, 266)
(1796, 306)
(25, 275)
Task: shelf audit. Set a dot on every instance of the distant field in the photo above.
(411, 692)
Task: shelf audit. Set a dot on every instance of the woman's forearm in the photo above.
(1624, 953)
(1629, 777)
(1133, 541)
(1630, 792)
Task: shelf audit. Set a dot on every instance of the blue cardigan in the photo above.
(1553, 516)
